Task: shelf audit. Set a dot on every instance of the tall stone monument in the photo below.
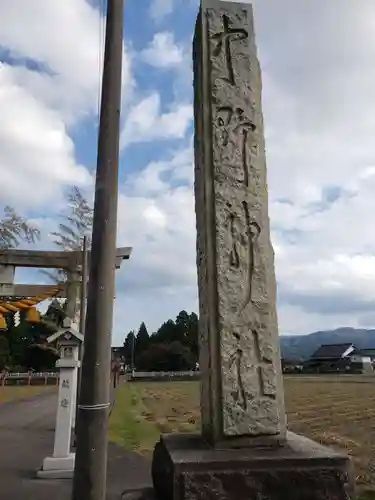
(242, 392)
(244, 451)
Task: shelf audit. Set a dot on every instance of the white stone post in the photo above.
(74, 392)
(61, 463)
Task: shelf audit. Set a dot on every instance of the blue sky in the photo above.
(319, 109)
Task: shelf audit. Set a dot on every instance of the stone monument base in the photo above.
(57, 468)
(185, 468)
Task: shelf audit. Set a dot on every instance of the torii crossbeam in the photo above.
(70, 261)
(53, 259)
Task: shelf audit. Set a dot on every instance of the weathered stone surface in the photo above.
(184, 468)
(242, 393)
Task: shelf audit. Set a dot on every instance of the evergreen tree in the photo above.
(25, 336)
(40, 358)
(55, 314)
(184, 330)
(167, 333)
(142, 340)
(4, 352)
(174, 347)
(128, 346)
(192, 337)
(166, 357)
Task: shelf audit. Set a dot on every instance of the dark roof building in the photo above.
(333, 351)
(340, 357)
(331, 357)
(369, 352)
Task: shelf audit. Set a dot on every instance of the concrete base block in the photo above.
(141, 494)
(186, 468)
(57, 468)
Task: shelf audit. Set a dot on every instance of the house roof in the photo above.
(331, 351)
(369, 351)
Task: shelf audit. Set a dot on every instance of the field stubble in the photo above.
(335, 411)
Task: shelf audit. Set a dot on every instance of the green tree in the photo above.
(193, 335)
(40, 358)
(128, 346)
(172, 356)
(174, 347)
(167, 333)
(55, 314)
(182, 324)
(184, 329)
(14, 229)
(20, 338)
(187, 330)
(4, 352)
(142, 340)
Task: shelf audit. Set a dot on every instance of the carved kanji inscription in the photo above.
(234, 128)
(243, 236)
(224, 39)
(235, 360)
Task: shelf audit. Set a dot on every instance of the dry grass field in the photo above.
(12, 392)
(338, 411)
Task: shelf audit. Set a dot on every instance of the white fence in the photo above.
(29, 378)
(139, 376)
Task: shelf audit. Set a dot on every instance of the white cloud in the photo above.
(40, 107)
(73, 61)
(159, 9)
(158, 176)
(163, 52)
(33, 143)
(319, 110)
(158, 218)
(146, 122)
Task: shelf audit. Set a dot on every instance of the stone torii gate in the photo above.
(71, 261)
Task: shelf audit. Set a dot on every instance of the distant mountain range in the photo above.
(301, 347)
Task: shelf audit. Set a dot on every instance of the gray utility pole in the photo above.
(89, 482)
(82, 318)
(83, 296)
